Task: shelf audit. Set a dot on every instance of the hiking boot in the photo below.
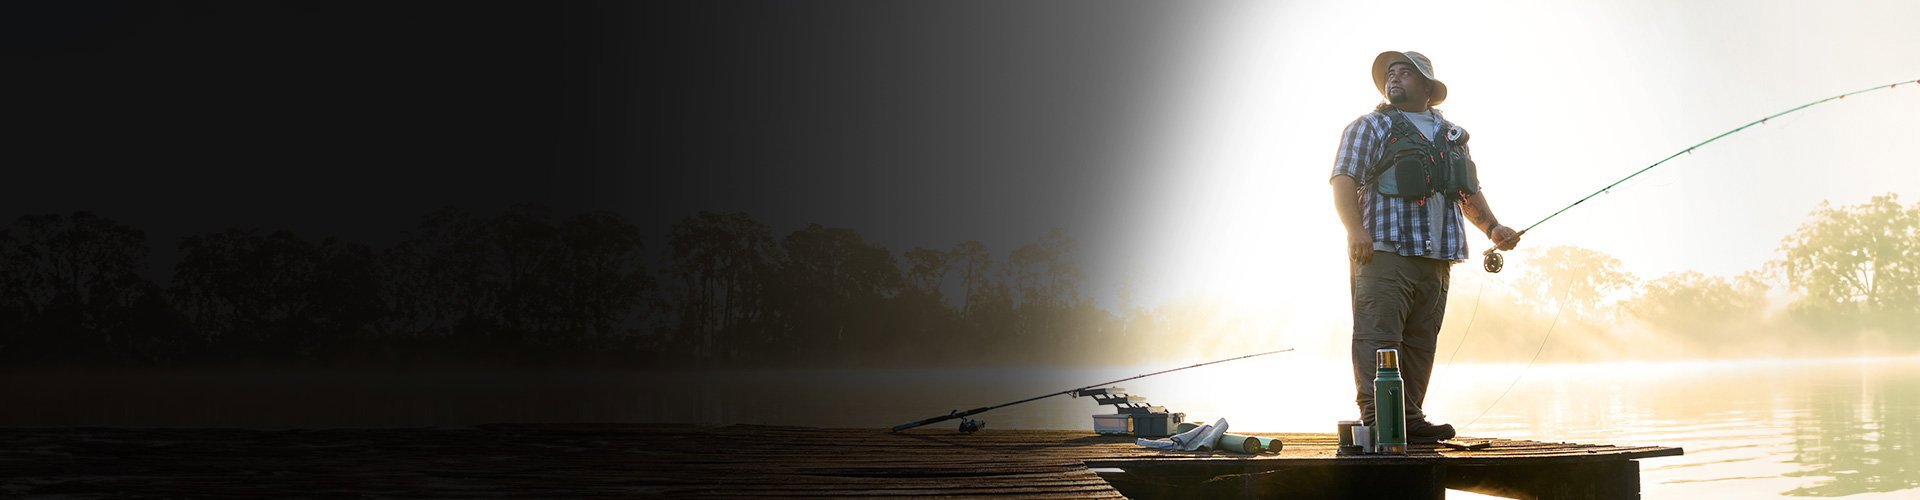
(1424, 432)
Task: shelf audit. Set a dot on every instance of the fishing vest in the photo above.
(1418, 167)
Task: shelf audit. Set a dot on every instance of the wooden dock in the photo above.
(649, 460)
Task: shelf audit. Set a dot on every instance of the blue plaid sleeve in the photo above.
(1360, 145)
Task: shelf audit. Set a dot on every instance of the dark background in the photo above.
(914, 123)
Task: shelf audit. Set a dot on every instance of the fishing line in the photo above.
(1469, 329)
(1492, 260)
(1558, 308)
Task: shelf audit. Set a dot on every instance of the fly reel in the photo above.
(1492, 261)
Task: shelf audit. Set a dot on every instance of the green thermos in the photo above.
(1389, 404)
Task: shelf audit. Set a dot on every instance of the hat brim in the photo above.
(1385, 59)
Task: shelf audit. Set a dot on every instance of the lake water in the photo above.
(1819, 428)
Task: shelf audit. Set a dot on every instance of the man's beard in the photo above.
(1401, 98)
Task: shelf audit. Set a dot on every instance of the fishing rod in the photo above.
(1492, 260)
(963, 414)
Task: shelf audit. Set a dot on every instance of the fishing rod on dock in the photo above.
(965, 427)
(1493, 262)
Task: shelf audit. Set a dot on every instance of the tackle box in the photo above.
(1133, 416)
(1116, 423)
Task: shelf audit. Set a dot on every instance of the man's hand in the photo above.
(1360, 247)
(1346, 201)
(1504, 237)
(1476, 210)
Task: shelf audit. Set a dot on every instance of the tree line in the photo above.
(1849, 277)
(525, 287)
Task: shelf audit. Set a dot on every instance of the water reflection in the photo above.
(1860, 436)
(1802, 428)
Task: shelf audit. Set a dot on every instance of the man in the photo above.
(1403, 182)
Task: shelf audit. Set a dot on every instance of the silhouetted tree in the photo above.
(986, 311)
(832, 292)
(927, 270)
(1044, 272)
(719, 265)
(524, 285)
(518, 284)
(975, 265)
(437, 283)
(1050, 309)
(275, 296)
(70, 284)
(924, 324)
(523, 249)
(605, 283)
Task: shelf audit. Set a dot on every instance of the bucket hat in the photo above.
(1419, 62)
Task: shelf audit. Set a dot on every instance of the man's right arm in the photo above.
(1360, 144)
(1346, 201)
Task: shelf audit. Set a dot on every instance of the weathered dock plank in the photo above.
(650, 460)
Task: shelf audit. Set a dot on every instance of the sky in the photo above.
(1186, 145)
(1562, 99)
(326, 119)
(916, 124)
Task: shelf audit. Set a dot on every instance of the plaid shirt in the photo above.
(1398, 223)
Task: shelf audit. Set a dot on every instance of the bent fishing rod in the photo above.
(1492, 260)
(962, 414)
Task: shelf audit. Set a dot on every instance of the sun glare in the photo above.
(1249, 126)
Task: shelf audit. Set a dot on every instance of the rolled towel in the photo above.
(1179, 441)
(1209, 437)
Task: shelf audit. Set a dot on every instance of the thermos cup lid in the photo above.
(1387, 358)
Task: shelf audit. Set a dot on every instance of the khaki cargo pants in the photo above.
(1398, 303)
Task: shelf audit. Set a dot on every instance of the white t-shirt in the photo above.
(1425, 123)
